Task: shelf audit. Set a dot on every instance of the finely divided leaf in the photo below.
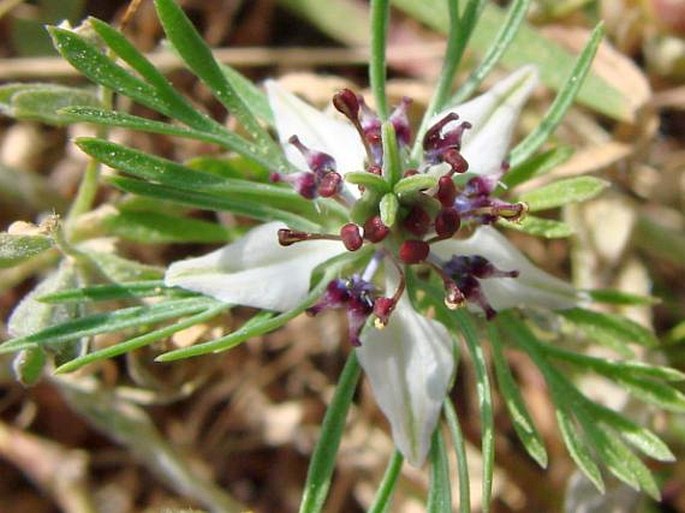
(560, 193)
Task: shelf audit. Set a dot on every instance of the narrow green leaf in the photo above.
(368, 180)
(561, 192)
(183, 110)
(251, 209)
(109, 118)
(199, 59)
(611, 368)
(189, 180)
(521, 419)
(577, 448)
(561, 103)
(610, 451)
(99, 68)
(253, 98)
(141, 341)
(381, 503)
(322, 463)
(145, 166)
(618, 297)
(15, 249)
(439, 492)
(460, 30)
(609, 328)
(415, 183)
(528, 47)
(537, 165)
(460, 450)
(380, 20)
(158, 228)
(638, 436)
(467, 328)
(617, 456)
(548, 228)
(107, 292)
(663, 395)
(575, 444)
(42, 102)
(505, 36)
(388, 207)
(107, 322)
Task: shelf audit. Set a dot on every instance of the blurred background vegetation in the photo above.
(240, 426)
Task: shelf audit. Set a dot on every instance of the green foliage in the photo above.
(18, 248)
(43, 102)
(562, 192)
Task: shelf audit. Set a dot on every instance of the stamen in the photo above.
(454, 158)
(454, 298)
(414, 251)
(447, 223)
(346, 102)
(363, 119)
(374, 229)
(447, 191)
(417, 222)
(288, 237)
(433, 135)
(330, 184)
(400, 122)
(319, 162)
(384, 306)
(351, 237)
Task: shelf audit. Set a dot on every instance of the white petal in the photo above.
(315, 129)
(410, 364)
(494, 116)
(533, 287)
(255, 271)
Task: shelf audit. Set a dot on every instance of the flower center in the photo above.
(402, 222)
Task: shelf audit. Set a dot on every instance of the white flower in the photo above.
(410, 362)
(255, 271)
(531, 288)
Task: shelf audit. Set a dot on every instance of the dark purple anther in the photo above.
(330, 184)
(467, 271)
(447, 222)
(286, 237)
(447, 191)
(374, 229)
(351, 237)
(417, 221)
(337, 294)
(318, 162)
(304, 183)
(414, 251)
(400, 122)
(456, 161)
(433, 138)
(347, 103)
(354, 294)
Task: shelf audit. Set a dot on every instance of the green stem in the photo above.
(460, 450)
(502, 40)
(380, 15)
(85, 197)
(322, 464)
(387, 486)
(458, 36)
